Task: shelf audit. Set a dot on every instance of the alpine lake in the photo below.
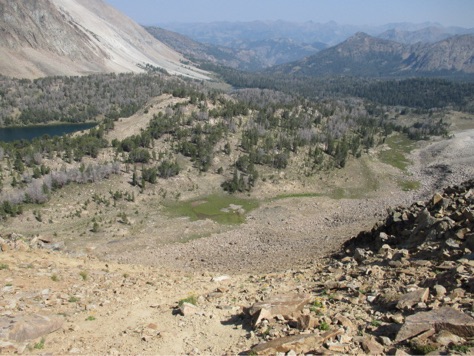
(10, 134)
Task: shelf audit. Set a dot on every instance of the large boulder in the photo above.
(445, 318)
(23, 328)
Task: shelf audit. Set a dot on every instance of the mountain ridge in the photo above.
(365, 55)
(245, 55)
(77, 37)
(331, 33)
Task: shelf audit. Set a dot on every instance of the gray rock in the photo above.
(360, 255)
(437, 197)
(338, 347)
(440, 291)
(372, 347)
(28, 327)
(298, 343)
(413, 298)
(446, 338)
(425, 220)
(188, 309)
(220, 278)
(345, 321)
(306, 322)
(284, 304)
(445, 318)
(385, 340)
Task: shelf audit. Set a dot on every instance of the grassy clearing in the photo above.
(366, 183)
(400, 146)
(224, 209)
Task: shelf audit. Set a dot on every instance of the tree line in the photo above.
(419, 93)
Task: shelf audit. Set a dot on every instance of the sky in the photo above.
(344, 12)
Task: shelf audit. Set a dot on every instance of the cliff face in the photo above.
(75, 37)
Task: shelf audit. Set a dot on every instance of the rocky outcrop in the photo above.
(404, 286)
(440, 229)
(443, 319)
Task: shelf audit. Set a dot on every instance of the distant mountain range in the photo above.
(425, 35)
(391, 50)
(245, 55)
(231, 34)
(77, 37)
(364, 55)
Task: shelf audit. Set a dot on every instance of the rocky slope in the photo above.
(406, 286)
(77, 37)
(279, 283)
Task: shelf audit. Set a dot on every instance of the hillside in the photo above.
(364, 55)
(122, 239)
(405, 287)
(454, 54)
(78, 37)
(195, 50)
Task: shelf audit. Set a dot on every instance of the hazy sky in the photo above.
(351, 12)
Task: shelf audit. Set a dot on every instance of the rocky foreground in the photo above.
(405, 287)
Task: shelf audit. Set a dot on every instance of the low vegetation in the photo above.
(40, 344)
(192, 299)
(399, 146)
(220, 208)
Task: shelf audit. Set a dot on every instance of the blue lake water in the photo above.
(9, 134)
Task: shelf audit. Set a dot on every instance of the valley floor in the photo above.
(294, 232)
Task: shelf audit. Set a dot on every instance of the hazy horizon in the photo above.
(344, 12)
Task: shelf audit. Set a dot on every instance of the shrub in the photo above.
(324, 326)
(191, 300)
(40, 344)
